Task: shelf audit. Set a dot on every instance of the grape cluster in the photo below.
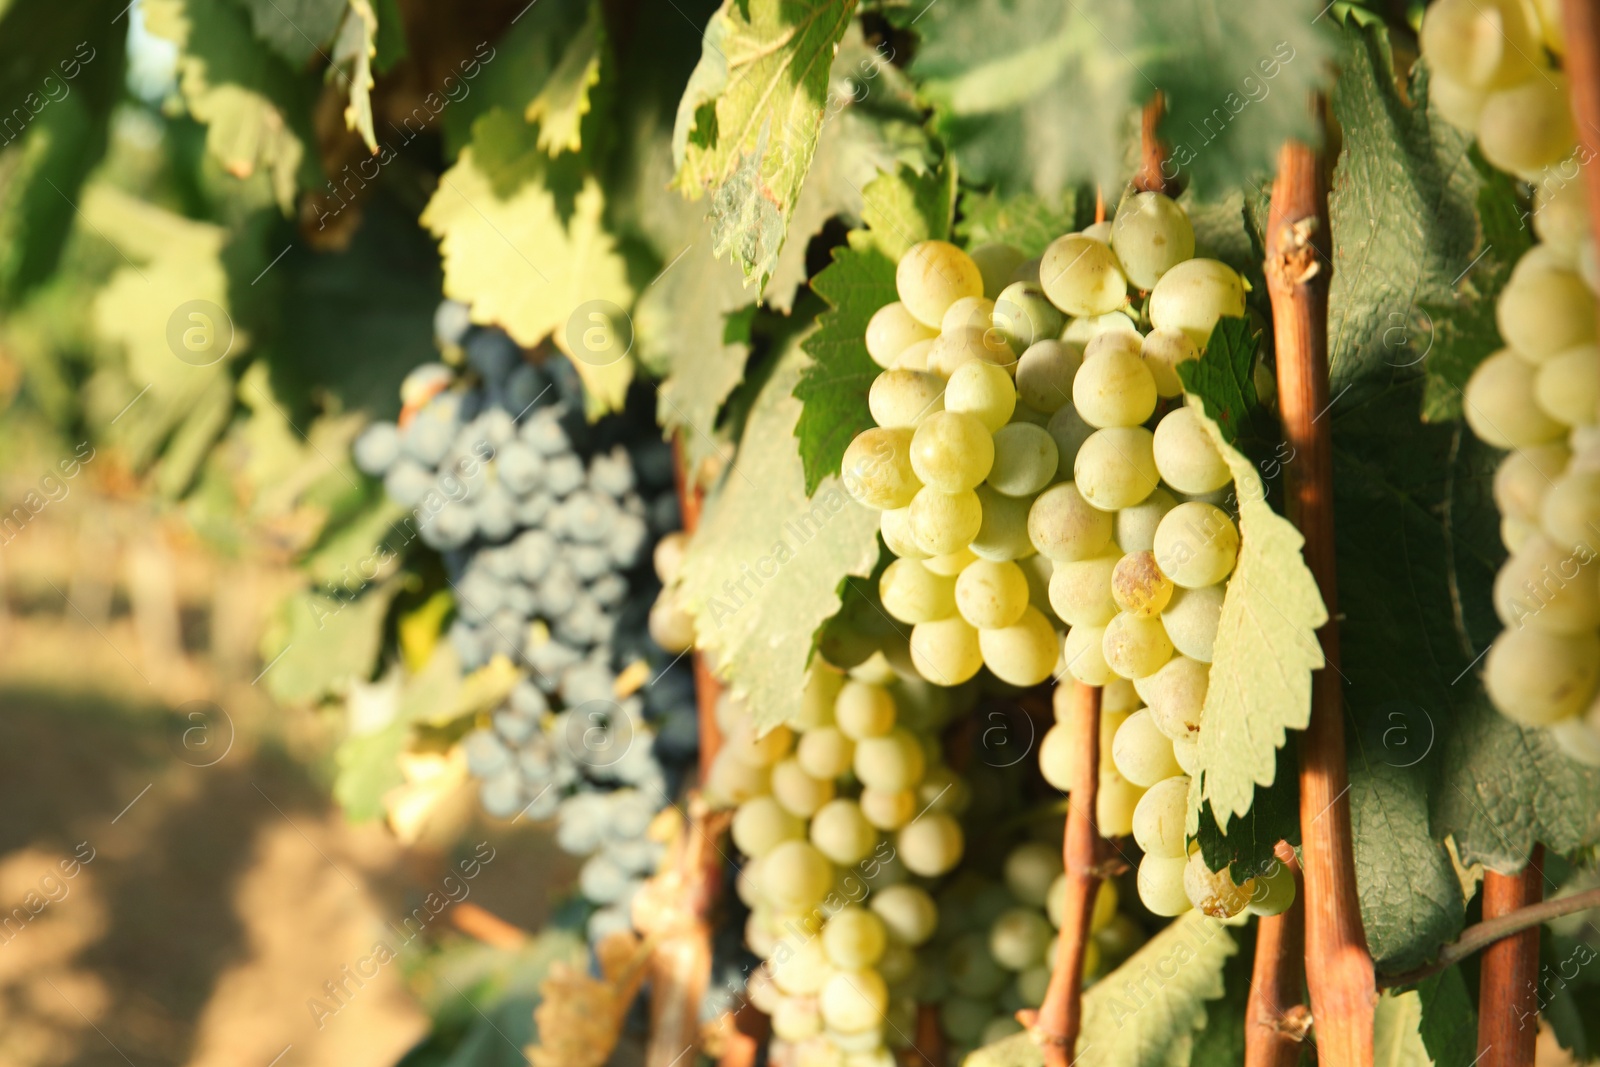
(1034, 463)
(545, 523)
(1538, 396)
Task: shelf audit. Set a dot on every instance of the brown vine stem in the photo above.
(1153, 158)
(1272, 1030)
(1056, 1024)
(1507, 982)
(1338, 963)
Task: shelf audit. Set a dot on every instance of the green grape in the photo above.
(991, 594)
(732, 781)
(1045, 374)
(1163, 350)
(1135, 646)
(1024, 653)
(1196, 544)
(983, 391)
(1159, 819)
(1081, 331)
(1119, 695)
(1084, 656)
(1536, 678)
(951, 451)
(854, 1001)
(1570, 511)
(973, 971)
(1025, 459)
(891, 763)
(1150, 236)
(1191, 619)
(1081, 276)
(758, 750)
(1578, 738)
(963, 1021)
(1105, 905)
(1024, 316)
(1461, 105)
(1057, 758)
(841, 833)
(912, 593)
(968, 313)
(1548, 588)
(1081, 592)
(1561, 215)
(1114, 803)
(942, 789)
(863, 711)
(1543, 312)
(1214, 893)
(1069, 432)
(1484, 44)
(895, 526)
(1567, 386)
(1138, 587)
(1030, 870)
(798, 791)
(796, 1018)
(1018, 939)
(886, 809)
(799, 967)
(949, 564)
(1064, 526)
(1116, 467)
(930, 845)
(969, 344)
(945, 522)
(997, 263)
(1003, 534)
(1161, 885)
(761, 824)
(1500, 406)
(1032, 984)
(1119, 940)
(1028, 271)
(999, 1028)
(892, 330)
(1187, 753)
(1024, 414)
(1141, 752)
(825, 752)
(854, 939)
(1114, 387)
(795, 876)
(909, 914)
(931, 276)
(1523, 477)
(1527, 127)
(877, 469)
(1186, 456)
(916, 356)
(902, 399)
(1177, 696)
(1193, 295)
(670, 626)
(898, 965)
(1136, 526)
(1273, 893)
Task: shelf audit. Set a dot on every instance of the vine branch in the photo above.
(1339, 971)
(1274, 1018)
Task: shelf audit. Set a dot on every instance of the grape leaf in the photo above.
(353, 51)
(834, 387)
(750, 118)
(1146, 1012)
(906, 206)
(1274, 815)
(296, 29)
(1024, 221)
(1265, 652)
(1220, 1042)
(255, 109)
(1224, 380)
(519, 265)
(1449, 1021)
(565, 97)
(1396, 1040)
(319, 642)
(1035, 96)
(764, 569)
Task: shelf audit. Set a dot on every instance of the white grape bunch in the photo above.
(1053, 442)
(1492, 73)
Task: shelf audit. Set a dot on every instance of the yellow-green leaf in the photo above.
(353, 50)
(565, 98)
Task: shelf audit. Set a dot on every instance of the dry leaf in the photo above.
(579, 1017)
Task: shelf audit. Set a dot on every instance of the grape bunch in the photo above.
(1537, 397)
(1034, 462)
(545, 524)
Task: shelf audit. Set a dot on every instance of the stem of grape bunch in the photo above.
(1339, 972)
(1057, 1022)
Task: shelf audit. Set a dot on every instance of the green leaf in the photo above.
(1223, 378)
(1147, 1011)
(519, 265)
(320, 643)
(751, 116)
(564, 99)
(1220, 1042)
(353, 52)
(858, 282)
(766, 564)
(1024, 221)
(1274, 816)
(1265, 652)
(254, 107)
(1455, 337)
(1396, 1041)
(906, 207)
(1036, 96)
(1449, 1022)
(296, 30)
